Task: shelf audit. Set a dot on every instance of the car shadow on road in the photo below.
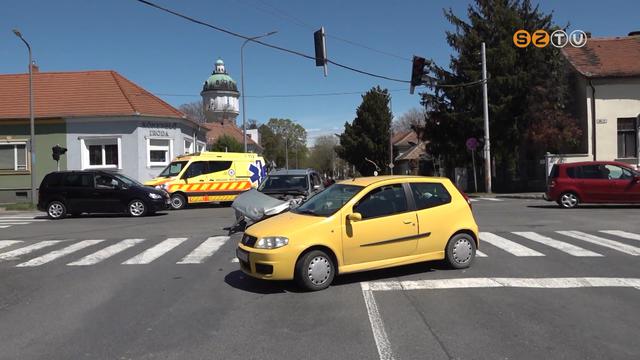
(239, 280)
(587, 207)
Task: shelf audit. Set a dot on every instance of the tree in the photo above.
(414, 117)
(323, 155)
(227, 143)
(368, 136)
(281, 138)
(516, 76)
(194, 111)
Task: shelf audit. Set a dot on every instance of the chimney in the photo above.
(34, 68)
(635, 33)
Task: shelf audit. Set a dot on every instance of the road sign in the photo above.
(391, 166)
(472, 143)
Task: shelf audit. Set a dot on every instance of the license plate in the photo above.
(242, 255)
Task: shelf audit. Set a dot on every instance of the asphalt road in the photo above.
(547, 287)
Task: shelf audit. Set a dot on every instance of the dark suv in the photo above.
(292, 184)
(77, 192)
(593, 182)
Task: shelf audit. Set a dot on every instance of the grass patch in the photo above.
(19, 206)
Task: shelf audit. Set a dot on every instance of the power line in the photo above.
(294, 52)
(297, 21)
(286, 95)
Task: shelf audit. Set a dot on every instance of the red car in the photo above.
(593, 182)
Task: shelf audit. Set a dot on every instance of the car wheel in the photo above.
(460, 251)
(568, 200)
(178, 201)
(56, 210)
(315, 270)
(137, 208)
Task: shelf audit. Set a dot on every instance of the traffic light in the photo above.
(57, 151)
(319, 40)
(417, 72)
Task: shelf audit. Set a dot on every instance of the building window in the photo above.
(627, 138)
(188, 146)
(159, 152)
(201, 146)
(101, 153)
(13, 156)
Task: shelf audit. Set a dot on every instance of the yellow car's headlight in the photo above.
(271, 242)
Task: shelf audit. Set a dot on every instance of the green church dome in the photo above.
(220, 80)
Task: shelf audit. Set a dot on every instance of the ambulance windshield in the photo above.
(173, 169)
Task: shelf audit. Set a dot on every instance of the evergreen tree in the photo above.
(367, 137)
(226, 143)
(527, 89)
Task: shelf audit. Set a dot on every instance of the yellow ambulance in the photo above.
(210, 177)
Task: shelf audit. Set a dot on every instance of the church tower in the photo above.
(220, 96)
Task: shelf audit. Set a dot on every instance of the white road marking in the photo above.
(480, 254)
(377, 326)
(15, 223)
(622, 234)
(560, 245)
(48, 257)
(15, 254)
(7, 243)
(4, 227)
(508, 245)
(106, 253)
(490, 199)
(538, 283)
(205, 250)
(21, 219)
(235, 260)
(615, 245)
(155, 252)
(472, 200)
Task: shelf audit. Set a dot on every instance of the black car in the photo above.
(77, 192)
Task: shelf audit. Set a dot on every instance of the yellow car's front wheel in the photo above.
(315, 270)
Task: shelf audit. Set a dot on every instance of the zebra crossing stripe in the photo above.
(15, 254)
(480, 254)
(205, 250)
(155, 252)
(560, 245)
(508, 245)
(615, 245)
(622, 234)
(490, 199)
(7, 243)
(14, 223)
(48, 257)
(106, 253)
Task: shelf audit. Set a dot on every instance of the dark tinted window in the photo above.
(215, 166)
(196, 169)
(555, 172)
(105, 182)
(53, 180)
(590, 172)
(428, 195)
(382, 201)
(78, 180)
(571, 172)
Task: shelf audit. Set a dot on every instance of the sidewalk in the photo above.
(526, 195)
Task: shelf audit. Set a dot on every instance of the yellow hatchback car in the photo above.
(362, 224)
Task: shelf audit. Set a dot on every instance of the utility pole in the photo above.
(391, 138)
(286, 153)
(487, 142)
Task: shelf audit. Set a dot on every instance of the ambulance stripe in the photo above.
(194, 187)
(214, 186)
(233, 186)
(223, 186)
(205, 187)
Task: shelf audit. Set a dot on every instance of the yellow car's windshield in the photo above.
(328, 201)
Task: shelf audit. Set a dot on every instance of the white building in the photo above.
(220, 96)
(608, 94)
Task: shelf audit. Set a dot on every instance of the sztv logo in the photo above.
(541, 38)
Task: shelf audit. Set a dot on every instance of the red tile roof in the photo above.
(215, 130)
(83, 93)
(606, 57)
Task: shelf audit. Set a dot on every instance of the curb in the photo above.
(539, 196)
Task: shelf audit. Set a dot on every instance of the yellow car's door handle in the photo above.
(407, 222)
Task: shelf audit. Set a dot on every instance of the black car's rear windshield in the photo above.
(284, 183)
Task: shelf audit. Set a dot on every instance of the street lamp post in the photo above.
(32, 140)
(244, 118)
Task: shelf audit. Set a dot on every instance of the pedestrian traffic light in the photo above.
(57, 151)
(417, 72)
(321, 49)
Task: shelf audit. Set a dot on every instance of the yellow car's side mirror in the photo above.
(354, 217)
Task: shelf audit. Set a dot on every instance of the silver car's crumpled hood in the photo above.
(256, 205)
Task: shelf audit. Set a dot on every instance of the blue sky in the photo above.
(171, 57)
